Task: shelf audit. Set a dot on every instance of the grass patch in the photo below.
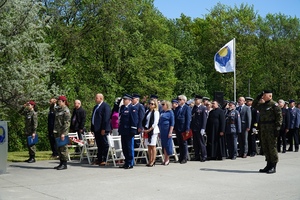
(23, 155)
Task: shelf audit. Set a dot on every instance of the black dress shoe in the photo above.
(283, 151)
(203, 160)
(296, 150)
(128, 167)
(233, 158)
(31, 160)
(123, 166)
(183, 161)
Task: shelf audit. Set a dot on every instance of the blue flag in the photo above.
(225, 58)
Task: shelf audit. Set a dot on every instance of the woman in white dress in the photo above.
(151, 130)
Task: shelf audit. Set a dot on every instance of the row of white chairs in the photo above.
(88, 148)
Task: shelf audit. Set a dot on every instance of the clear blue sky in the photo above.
(198, 8)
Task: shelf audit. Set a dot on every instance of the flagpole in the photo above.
(234, 74)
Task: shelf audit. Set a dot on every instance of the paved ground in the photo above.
(224, 180)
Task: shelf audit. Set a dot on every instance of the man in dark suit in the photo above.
(101, 127)
(182, 124)
(198, 125)
(294, 126)
(78, 119)
(128, 127)
(284, 126)
(252, 135)
(245, 114)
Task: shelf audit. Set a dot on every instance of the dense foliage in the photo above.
(83, 47)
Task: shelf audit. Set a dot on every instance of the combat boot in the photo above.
(272, 169)
(60, 164)
(32, 159)
(63, 166)
(266, 169)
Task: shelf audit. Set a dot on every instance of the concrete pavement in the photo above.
(227, 179)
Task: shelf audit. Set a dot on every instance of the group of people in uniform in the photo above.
(218, 131)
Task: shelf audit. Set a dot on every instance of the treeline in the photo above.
(82, 47)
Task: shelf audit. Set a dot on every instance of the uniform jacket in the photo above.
(285, 119)
(31, 122)
(80, 118)
(294, 118)
(141, 113)
(199, 118)
(182, 118)
(254, 117)
(128, 120)
(101, 118)
(233, 122)
(62, 120)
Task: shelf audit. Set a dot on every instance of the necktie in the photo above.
(93, 118)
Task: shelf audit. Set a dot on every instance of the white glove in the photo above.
(254, 130)
(202, 131)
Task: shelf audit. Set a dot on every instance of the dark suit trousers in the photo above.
(52, 143)
(128, 149)
(231, 140)
(251, 143)
(183, 148)
(199, 145)
(281, 140)
(102, 145)
(293, 136)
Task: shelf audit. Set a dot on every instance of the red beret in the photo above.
(31, 103)
(62, 98)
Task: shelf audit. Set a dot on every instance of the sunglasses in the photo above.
(162, 104)
(179, 99)
(151, 104)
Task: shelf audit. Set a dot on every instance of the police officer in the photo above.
(127, 129)
(198, 124)
(61, 127)
(232, 128)
(270, 122)
(31, 122)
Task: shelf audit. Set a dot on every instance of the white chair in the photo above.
(89, 149)
(75, 142)
(114, 151)
(141, 151)
(159, 150)
(175, 154)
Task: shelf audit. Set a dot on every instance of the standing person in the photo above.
(245, 114)
(174, 104)
(232, 128)
(166, 125)
(101, 127)
(215, 129)
(150, 125)
(252, 135)
(127, 129)
(51, 120)
(198, 125)
(78, 119)
(61, 127)
(269, 122)
(284, 127)
(31, 122)
(182, 124)
(294, 126)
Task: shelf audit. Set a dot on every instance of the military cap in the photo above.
(153, 96)
(174, 101)
(31, 102)
(198, 97)
(232, 102)
(127, 96)
(249, 99)
(205, 98)
(267, 91)
(291, 101)
(135, 95)
(62, 98)
(189, 102)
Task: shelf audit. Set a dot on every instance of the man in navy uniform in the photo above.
(182, 124)
(252, 136)
(232, 128)
(245, 114)
(294, 126)
(284, 126)
(101, 127)
(198, 125)
(128, 127)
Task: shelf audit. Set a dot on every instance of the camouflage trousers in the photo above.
(62, 151)
(31, 150)
(269, 142)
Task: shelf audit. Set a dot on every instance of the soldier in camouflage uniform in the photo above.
(31, 122)
(269, 125)
(61, 127)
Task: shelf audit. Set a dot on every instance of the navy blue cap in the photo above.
(174, 101)
(198, 97)
(135, 95)
(249, 99)
(127, 96)
(153, 96)
(291, 101)
(232, 102)
(267, 91)
(205, 98)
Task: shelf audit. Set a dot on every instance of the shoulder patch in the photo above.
(276, 104)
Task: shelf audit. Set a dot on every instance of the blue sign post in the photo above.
(3, 146)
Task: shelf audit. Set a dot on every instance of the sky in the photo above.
(198, 8)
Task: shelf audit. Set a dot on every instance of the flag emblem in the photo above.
(225, 58)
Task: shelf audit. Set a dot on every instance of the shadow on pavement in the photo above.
(230, 171)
